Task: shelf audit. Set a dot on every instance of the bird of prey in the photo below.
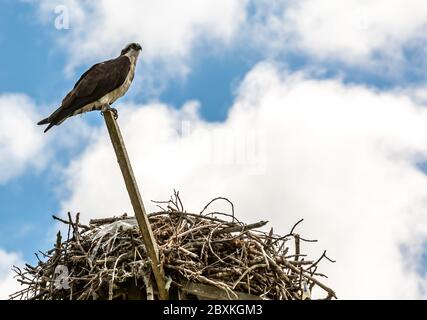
(98, 87)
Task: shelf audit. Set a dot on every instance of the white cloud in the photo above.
(354, 31)
(167, 30)
(23, 145)
(341, 157)
(371, 34)
(20, 141)
(8, 284)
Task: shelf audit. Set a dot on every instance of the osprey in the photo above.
(98, 87)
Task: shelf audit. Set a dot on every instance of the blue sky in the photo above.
(30, 68)
(236, 52)
(32, 52)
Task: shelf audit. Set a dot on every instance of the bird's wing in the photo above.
(95, 83)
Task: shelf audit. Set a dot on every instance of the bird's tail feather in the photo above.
(49, 126)
(44, 121)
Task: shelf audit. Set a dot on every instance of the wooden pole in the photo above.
(136, 200)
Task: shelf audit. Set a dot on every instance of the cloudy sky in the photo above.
(292, 109)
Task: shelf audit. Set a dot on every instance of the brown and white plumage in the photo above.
(101, 85)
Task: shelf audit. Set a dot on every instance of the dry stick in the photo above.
(261, 265)
(110, 291)
(108, 220)
(297, 247)
(195, 229)
(136, 200)
(240, 228)
(77, 237)
(318, 260)
(178, 202)
(196, 215)
(219, 198)
(321, 285)
(68, 223)
(290, 233)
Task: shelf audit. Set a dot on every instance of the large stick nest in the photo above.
(209, 252)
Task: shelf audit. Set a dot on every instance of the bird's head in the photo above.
(131, 49)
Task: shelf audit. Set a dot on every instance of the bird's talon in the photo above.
(115, 113)
(113, 110)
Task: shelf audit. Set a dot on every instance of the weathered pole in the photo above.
(136, 200)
